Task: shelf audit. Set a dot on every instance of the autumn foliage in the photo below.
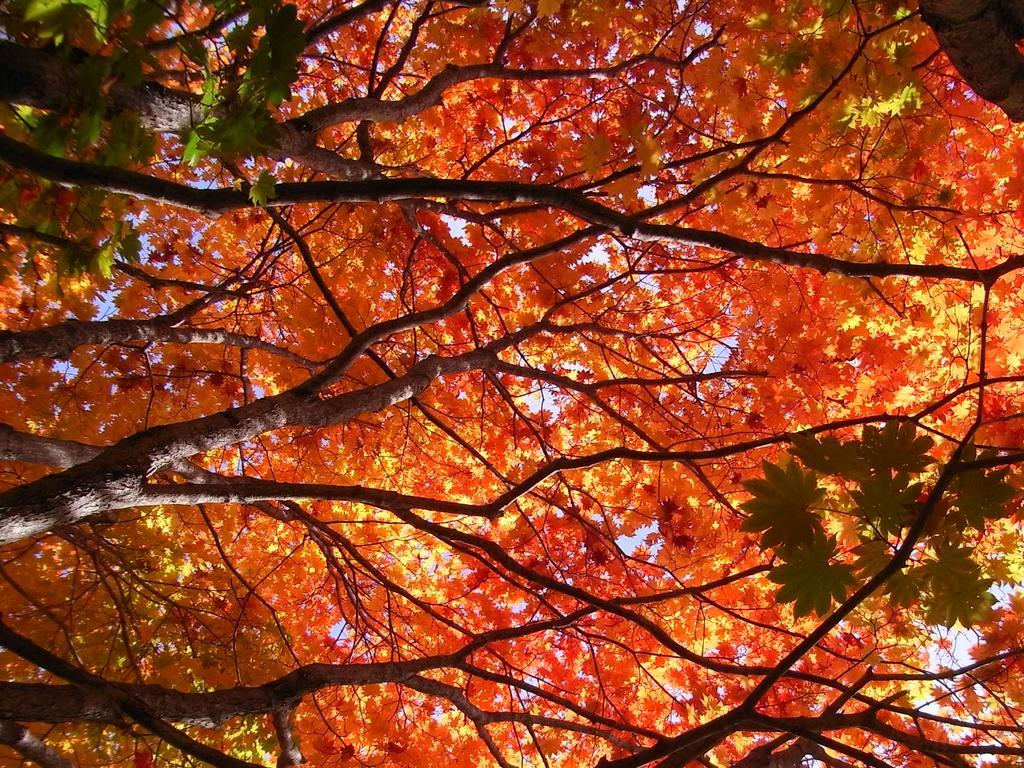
(506, 382)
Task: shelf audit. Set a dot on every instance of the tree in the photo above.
(980, 37)
(522, 383)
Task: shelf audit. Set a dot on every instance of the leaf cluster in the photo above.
(265, 51)
(879, 483)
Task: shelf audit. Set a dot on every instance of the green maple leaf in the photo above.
(809, 578)
(872, 557)
(781, 506)
(958, 591)
(981, 496)
(130, 246)
(884, 500)
(830, 456)
(895, 446)
(904, 587)
(263, 190)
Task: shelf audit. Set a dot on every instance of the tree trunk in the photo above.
(39, 77)
(980, 38)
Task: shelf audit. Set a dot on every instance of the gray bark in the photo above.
(116, 478)
(26, 744)
(61, 340)
(980, 38)
(40, 703)
(39, 77)
(290, 752)
(35, 449)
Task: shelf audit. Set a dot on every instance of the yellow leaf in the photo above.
(648, 152)
(595, 152)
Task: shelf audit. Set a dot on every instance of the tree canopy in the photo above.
(508, 382)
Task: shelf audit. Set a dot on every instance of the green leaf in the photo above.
(829, 456)
(886, 501)
(37, 10)
(145, 16)
(787, 59)
(129, 66)
(103, 261)
(810, 580)
(49, 136)
(88, 128)
(58, 17)
(127, 141)
(129, 246)
(91, 76)
(895, 446)
(781, 506)
(226, 6)
(872, 557)
(238, 37)
(263, 190)
(958, 592)
(192, 152)
(833, 7)
(194, 49)
(240, 132)
(904, 587)
(980, 496)
(283, 43)
(210, 92)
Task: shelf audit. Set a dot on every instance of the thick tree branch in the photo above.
(483, 717)
(26, 744)
(36, 449)
(115, 478)
(61, 340)
(37, 77)
(99, 702)
(124, 703)
(250, 490)
(218, 200)
(980, 37)
(290, 752)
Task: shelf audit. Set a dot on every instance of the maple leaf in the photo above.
(958, 592)
(981, 496)
(871, 557)
(595, 152)
(886, 501)
(809, 578)
(904, 587)
(393, 370)
(649, 153)
(548, 7)
(781, 506)
(896, 446)
(263, 190)
(830, 456)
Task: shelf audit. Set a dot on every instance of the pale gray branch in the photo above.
(62, 339)
(290, 752)
(26, 744)
(35, 449)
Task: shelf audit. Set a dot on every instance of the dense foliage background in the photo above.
(556, 383)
